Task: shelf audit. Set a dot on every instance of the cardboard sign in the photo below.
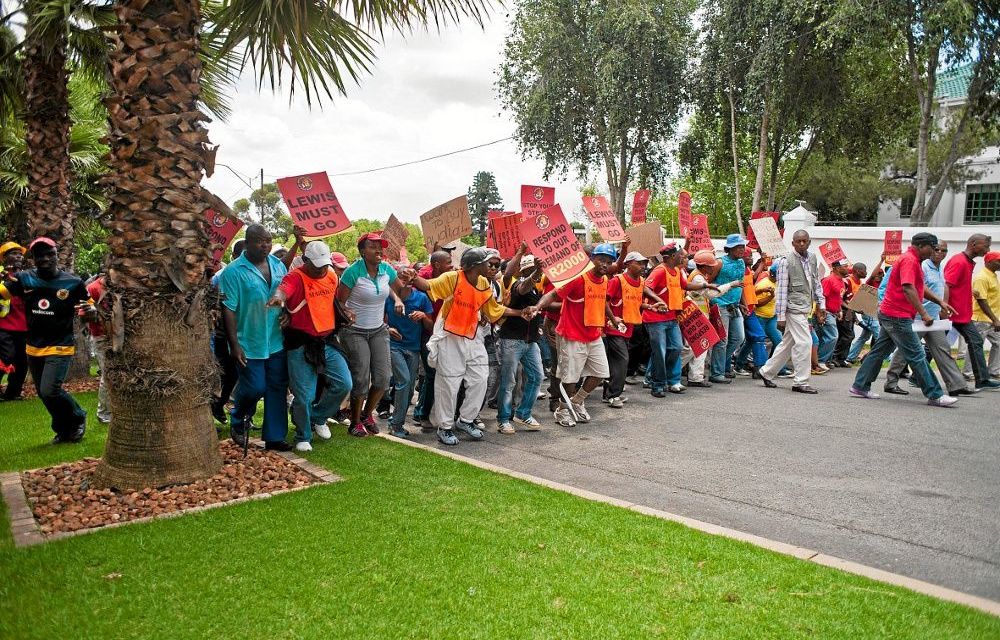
(396, 233)
(832, 252)
(603, 216)
(698, 237)
(769, 240)
(552, 241)
(503, 235)
(751, 235)
(684, 212)
(313, 205)
(696, 328)
(640, 203)
(646, 238)
(892, 246)
(446, 222)
(403, 256)
(534, 199)
(221, 231)
(865, 300)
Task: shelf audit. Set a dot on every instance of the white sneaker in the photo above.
(616, 403)
(542, 395)
(581, 412)
(943, 401)
(322, 431)
(506, 428)
(563, 417)
(529, 423)
(303, 446)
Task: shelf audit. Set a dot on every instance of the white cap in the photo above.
(276, 248)
(527, 261)
(636, 256)
(318, 254)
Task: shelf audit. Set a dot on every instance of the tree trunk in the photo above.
(160, 371)
(736, 161)
(48, 205)
(776, 154)
(758, 185)
(919, 217)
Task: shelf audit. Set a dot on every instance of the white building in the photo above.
(979, 202)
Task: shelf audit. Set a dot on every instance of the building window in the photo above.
(982, 203)
(906, 203)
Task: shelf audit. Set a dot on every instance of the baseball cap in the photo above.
(339, 260)
(635, 256)
(705, 258)
(669, 248)
(989, 257)
(373, 235)
(318, 254)
(735, 240)
(43, 241)
(9, 246)
(527, 261)
(278, 247)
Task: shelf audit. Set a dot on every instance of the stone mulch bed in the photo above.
(73, 386)
(61, 501)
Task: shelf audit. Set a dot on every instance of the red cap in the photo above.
(670, 247)
(373, 235)
(991, 256)
(339, 260)
(49, 242)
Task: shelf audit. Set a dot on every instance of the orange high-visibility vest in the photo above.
(320, 294)
(463, 315)
(631, 300)
(595, 298)
(674, 289)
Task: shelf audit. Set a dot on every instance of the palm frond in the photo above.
(404, 15)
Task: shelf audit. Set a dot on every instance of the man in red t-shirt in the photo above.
(903, 300)
(585, 311)
(13, 325)
(833, 291)
(958, 278)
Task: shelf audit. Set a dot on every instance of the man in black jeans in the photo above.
(52, 299)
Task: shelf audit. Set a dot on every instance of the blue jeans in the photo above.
(302, 379)
(405, 366)
(897, 333)
(512, 354)
(869, 328)
(723, 351)
(827, 337)
(665, 346)
(49, 373)
(267, 379)
(755, 342)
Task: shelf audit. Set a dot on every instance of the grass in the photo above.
(415, 545)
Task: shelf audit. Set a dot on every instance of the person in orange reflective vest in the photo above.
(456, 349)
(585, 312)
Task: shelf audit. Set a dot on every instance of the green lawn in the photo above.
(411, 544)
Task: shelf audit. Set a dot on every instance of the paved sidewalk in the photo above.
(890, 483)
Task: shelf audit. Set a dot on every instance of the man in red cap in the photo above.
(958, 277)
(986, 309)
(13, 325)
(52, 298)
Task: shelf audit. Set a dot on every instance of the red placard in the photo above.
(603, 216)
(752, 237)
(696, 328)
(313, 205)
(892, 246)
(503, 235)
(832, 252)
(684, 221)
(534, 199)
(552, 241)
(697, 234)
(640, 203)
(221, 231)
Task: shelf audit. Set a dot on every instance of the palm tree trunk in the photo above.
(160, 371)
(49, 203)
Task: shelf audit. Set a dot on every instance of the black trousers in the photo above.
(617, 350)
(638, 349)
(845, 336)
(12, 353)
(227, 370)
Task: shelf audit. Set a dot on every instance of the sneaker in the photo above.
(582, 415)
(988, 385)
(731, 375)
(563, 417)
(742, 371)
(418, 422)
(322, 431)
(631, 380)
(720, 380)
(786, 374)
(277, 445)
(469, 429)
(447, 437)
(943, 401)
(646, 385)
(704, 384)
(303, 446)
(105, 419)
(541, 395)
(529, 423)
(658, 393)
(219, 412)
(867, 395)
(398, 432)
(506, 428)
(357, 430)
(384, 415)
(676, 388)
(616, 403)
(479, 424)
(370, 425)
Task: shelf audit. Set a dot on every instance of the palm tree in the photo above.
(160, 371)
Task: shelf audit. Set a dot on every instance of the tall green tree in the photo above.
(483, 196)
(265, 206)
(597, 85)
(160, 370)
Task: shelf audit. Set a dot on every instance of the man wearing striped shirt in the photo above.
(798, 291)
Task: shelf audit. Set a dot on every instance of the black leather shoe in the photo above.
(699, 383)
(804, 388)
(277, 445)
(657, 393)
(768, 383)
(962, 392)
(896, 391)
(716, 380)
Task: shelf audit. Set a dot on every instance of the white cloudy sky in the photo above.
(430, 93)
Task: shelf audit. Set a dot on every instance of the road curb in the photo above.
(943, 593)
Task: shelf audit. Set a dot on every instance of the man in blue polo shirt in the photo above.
(405, 333)
(255, 340)
(728, 304)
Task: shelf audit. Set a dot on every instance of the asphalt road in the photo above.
(890, 483)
